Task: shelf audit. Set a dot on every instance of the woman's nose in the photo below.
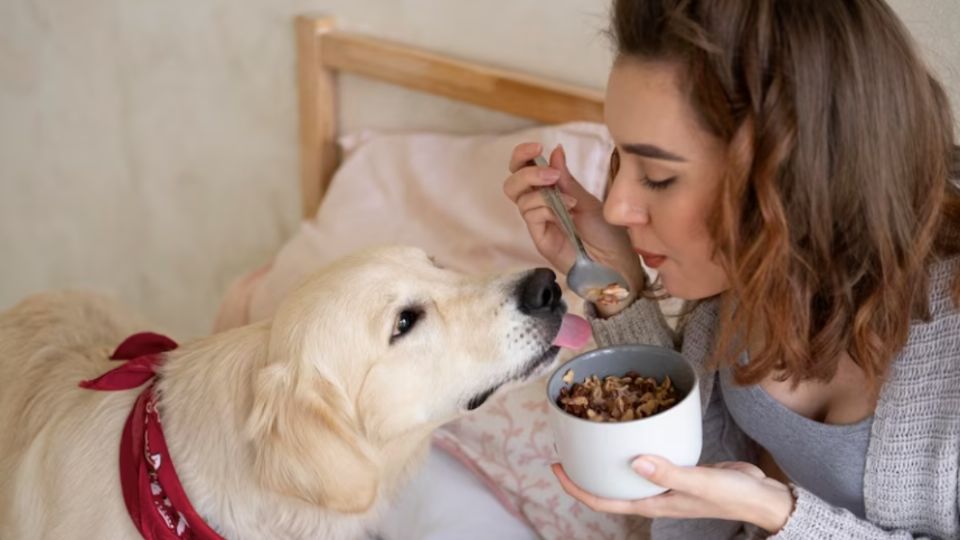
(625, 207)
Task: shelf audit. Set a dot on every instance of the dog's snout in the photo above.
(539, 292)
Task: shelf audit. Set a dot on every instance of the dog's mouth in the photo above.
(555, 325)
(481, 398)
(524, 373)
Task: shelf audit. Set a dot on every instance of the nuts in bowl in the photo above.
(616, 398)
(634, 400)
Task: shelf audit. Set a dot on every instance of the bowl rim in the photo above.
(598, 350)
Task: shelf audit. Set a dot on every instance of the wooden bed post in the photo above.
(322, 51)
(319, 153)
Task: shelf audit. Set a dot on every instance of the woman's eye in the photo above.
(405, 322)
(646, 181)
(658, 184)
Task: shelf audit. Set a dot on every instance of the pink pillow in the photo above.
(436, 191)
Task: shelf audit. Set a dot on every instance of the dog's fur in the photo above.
(297, 427)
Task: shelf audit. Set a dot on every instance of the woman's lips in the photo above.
(652, 260)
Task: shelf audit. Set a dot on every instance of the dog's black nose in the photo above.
(539, 292)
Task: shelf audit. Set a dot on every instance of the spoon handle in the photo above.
(552, 196)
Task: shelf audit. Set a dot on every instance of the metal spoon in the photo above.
(589, 279)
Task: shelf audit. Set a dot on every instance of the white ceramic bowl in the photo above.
(597, 456)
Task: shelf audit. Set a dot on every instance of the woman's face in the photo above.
(666, 172)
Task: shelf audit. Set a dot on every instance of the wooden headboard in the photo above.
(322, 51)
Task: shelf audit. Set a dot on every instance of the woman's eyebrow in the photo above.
(651, 151)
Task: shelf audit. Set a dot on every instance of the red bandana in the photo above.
(151, 490)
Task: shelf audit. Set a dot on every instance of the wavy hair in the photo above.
(840, 188)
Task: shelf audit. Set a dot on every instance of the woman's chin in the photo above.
(686, 289)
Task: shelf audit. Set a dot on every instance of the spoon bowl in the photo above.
(595, 282)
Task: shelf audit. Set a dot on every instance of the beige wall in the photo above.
(149, 148)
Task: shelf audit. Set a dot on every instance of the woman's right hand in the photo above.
(606, 243)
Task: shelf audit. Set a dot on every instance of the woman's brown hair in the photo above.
(840, 191)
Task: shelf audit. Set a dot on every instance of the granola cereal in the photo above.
(617, 399)
(610, 295)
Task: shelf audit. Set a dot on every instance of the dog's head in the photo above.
(375, 351)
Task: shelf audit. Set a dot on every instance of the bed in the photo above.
(442, 192)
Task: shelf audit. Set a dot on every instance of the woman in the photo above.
(788, 166)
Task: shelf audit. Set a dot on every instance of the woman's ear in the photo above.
(307, 442)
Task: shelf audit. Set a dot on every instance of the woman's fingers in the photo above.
(664, 473)
(746, 468)
(567, 183)
(534, 199)
(597, 504)
(527, 179)
(523, 153)
(537, 219)
(670, 504)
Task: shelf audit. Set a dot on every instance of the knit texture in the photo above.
(911, 478)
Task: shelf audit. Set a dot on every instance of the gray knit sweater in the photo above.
(911, 480)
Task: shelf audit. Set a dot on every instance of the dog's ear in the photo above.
(308, 444)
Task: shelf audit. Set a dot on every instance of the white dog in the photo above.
(297, 427)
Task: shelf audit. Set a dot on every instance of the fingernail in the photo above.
(644, 467)
(550, 174)
(562, 151)
(568, 201)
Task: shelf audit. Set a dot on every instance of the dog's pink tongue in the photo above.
(574, 332)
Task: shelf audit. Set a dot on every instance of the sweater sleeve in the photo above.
(813, 517)
(641, 322)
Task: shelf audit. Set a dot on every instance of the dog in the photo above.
(301, 426)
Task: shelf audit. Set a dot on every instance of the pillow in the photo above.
(444, 194)
(440, 192)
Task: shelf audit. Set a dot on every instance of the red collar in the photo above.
(151, 490)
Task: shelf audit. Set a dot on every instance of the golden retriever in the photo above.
(296, 427)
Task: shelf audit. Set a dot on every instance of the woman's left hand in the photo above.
(734, 491)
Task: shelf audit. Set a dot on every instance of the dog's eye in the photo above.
(405, 322)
